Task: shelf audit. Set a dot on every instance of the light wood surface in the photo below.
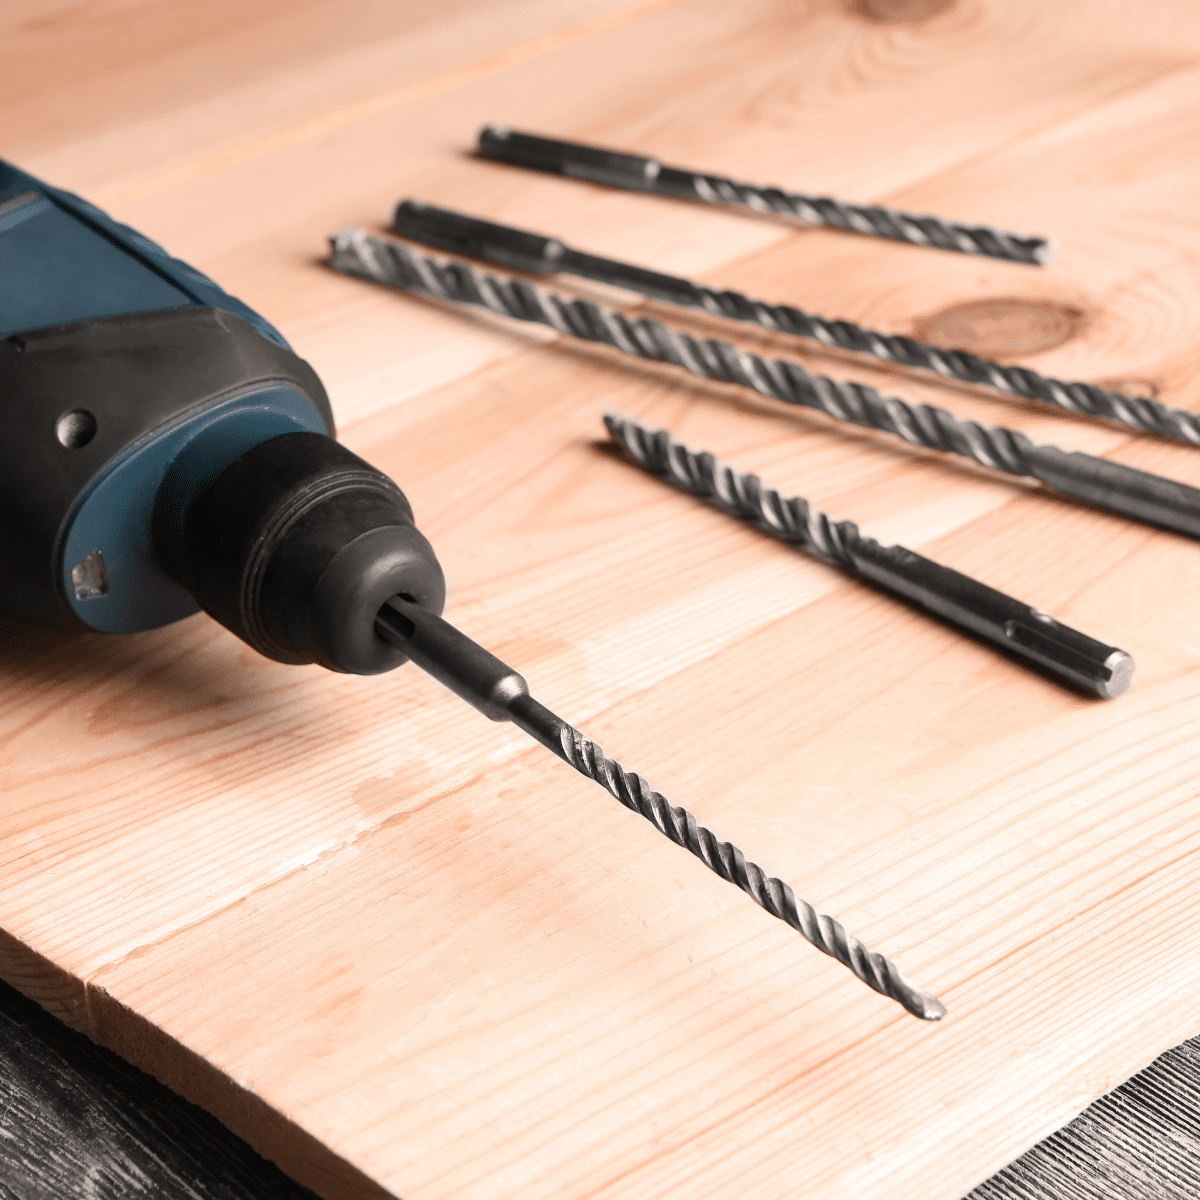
(400, 948)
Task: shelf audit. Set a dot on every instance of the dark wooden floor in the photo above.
(76, 1121)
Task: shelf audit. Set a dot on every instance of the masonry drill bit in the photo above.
(1096, 481)
(635, 173)
(538, 255)
(1070, 656)
(498, 692)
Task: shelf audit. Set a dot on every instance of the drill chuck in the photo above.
(296, 547)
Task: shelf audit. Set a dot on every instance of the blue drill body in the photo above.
(63, 260)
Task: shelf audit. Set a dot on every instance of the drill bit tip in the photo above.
(1046, 252)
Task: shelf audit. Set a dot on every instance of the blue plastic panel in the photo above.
(55, 269)
(194, 287)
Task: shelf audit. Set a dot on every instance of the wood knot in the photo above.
(896, 12)
(1003, 327)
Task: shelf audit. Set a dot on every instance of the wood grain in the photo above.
(149, 93)
(400, 948)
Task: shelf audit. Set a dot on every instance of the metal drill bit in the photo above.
(538, 255)
(1120, 489)
(635, 173)
(1070, 656)
(498, 692)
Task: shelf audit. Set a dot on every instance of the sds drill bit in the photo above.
(538, 255)
(1110, 485)
(1071, 657)
(635, 173)
(498, 692)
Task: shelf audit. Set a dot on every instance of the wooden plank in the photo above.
(352, 910)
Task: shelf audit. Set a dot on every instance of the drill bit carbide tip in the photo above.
(635, 172)
(506, 246)
(1121, 489)
(500, 693)
(1027, 633)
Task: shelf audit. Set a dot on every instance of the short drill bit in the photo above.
(1096, 481)
(635, 173)
(538, 255)
(1070, 656)
(498, 692)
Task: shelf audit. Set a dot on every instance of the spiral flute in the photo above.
(497, 691)
(681, 826)
(504, 245)
(792, 519)
(958, 366)
(1097, 481)
(633, 172)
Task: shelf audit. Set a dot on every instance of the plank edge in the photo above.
(91, 1010)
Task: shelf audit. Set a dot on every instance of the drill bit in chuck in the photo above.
(498, 692)
(536, 254)
(1029, 634)
(635, 173)
(1121, 489)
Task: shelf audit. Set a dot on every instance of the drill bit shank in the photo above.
(633, 172)
(539, 255)
(501, 694)
(1120, 489)
(1070, 656)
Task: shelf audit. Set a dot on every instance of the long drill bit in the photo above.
(1070, 656)
(635, 173)
(444, 229)
(498, 692)
(1120, 489)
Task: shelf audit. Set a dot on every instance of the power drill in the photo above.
(165, 450)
